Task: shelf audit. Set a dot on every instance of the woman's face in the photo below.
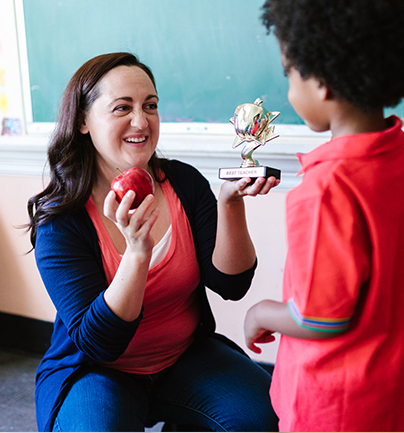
(123, 121)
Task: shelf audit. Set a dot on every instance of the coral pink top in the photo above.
(171, 313)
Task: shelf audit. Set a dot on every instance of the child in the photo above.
(340, 365)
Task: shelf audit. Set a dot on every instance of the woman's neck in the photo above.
(101, 188)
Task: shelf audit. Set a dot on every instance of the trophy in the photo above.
(252, 125)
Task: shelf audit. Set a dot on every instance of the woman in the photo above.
(134, 337)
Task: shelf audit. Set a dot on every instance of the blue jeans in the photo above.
(212, 385)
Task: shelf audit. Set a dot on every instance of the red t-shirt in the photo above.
(345, 270)
(171, 313)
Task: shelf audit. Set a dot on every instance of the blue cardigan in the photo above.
(85, 331)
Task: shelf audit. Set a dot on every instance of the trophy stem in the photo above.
(250, 163)
(248, 160)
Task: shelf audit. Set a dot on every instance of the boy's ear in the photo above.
(326, 94)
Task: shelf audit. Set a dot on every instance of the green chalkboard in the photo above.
(207, 56)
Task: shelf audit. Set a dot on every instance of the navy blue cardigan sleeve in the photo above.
(69, 261)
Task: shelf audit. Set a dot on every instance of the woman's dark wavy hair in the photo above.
(71, 154)
(354, 47)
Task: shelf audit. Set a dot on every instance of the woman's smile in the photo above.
(136, 140)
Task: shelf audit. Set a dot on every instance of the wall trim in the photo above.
(207, 150)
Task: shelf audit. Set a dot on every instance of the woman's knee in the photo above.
(103, 400)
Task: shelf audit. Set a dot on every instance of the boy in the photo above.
(341, 356)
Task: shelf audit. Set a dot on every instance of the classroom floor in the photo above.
(17, 381)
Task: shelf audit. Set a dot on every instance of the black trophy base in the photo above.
(251, 172)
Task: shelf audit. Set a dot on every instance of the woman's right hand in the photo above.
(124, 295)
(135, 225)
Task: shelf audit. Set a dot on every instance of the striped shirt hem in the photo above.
(317, 323)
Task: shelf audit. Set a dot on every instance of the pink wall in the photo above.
(266, 221)
(21, 288)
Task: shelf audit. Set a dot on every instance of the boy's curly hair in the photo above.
(354, 47)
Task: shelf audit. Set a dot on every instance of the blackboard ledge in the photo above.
(195, 128)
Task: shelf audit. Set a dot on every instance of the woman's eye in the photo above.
(151, 106)
(122, 108)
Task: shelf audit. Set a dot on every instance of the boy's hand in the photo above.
(267, 317)
(254, 333)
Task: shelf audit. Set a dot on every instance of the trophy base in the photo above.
(251, 172)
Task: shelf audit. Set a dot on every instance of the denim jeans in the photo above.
(212, 385)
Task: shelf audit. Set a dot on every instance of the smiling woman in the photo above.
(125, 116)
(134, 329)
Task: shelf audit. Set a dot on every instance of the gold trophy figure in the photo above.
(252, 125)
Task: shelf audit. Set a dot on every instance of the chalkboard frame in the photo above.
(181, 127)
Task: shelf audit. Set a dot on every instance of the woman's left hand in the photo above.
(235, 190)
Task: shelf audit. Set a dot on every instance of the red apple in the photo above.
(135, 179)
